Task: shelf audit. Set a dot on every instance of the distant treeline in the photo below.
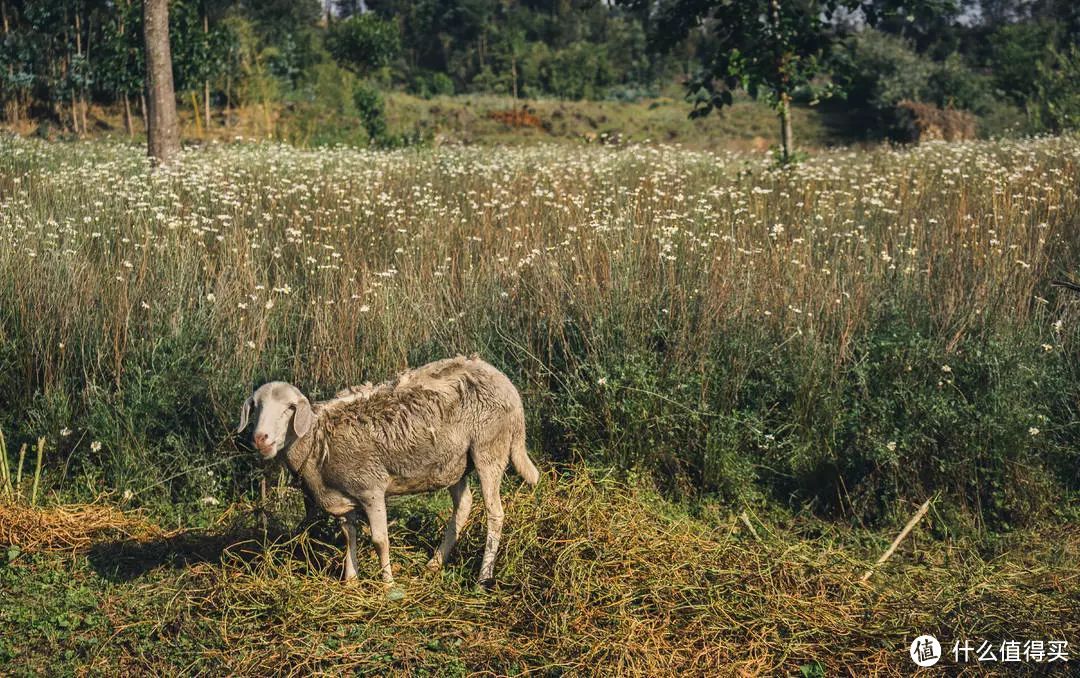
(1014, 63)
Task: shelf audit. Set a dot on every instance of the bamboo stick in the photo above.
(899, 538)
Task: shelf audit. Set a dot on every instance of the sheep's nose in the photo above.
(261, 439)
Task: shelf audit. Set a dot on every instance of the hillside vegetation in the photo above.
(327, 119)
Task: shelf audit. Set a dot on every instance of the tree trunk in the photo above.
(163, 127)
(127, 116)
(206, 83)
(76, 106)
(228, 99)
(195, 110)
(513, 75)
(782, 86)
(787, 139)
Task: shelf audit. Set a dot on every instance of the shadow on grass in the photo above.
(321, 547)
(127, 559)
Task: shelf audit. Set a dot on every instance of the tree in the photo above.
(364, 42)
(121, 65)
(767, 47)
(163, 128)
(770, 48)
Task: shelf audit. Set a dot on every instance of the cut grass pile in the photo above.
(595, 577)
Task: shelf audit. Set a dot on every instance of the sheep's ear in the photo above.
(245, 412)
(301, 421)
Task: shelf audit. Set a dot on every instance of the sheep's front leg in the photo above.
(375, 507)
(348, 527)
(462, 496)
(311, 512)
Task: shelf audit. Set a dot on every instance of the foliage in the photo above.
(1056, 104)
(363, 42)
(766, 47)
(1009, 64)
(372, 110)
(1016, 50)
(428, 85)
(876, 71)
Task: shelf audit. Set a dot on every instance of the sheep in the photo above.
(418, 432)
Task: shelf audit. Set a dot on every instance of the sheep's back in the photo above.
(416, 429)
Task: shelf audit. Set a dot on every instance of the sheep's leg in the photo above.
(462, 496)
(311, 512)
(490, 480)
(348, 527)
(376, 513)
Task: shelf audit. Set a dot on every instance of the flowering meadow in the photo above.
(865, 328)
(739, 380)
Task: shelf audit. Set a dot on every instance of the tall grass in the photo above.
(866, 327)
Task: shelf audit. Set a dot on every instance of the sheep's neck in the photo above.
(297, 458)
(302, 461)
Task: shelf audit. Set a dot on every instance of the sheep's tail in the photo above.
(519, 457)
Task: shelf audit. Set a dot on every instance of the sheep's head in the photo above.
(282, 414)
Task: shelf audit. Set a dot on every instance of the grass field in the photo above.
(704, 342)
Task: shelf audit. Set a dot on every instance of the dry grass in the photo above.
(71, 527)
(595, 577)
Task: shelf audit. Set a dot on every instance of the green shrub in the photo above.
(431, 84)
(322, 109)
(985, 423)
(580, 71)
(372, 111)
(1056, 104)
(877, 71)
(364, 42)
(1015, 52)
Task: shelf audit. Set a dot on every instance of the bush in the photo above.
(1016, 50)
(431, 84)
(904, 417)
(877, 71)
(580, 71)
(364, 42)
(372, 111)
(1056, 104)
(323, 109)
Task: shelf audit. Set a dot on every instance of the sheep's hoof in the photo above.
(486, 585)
(434, 565)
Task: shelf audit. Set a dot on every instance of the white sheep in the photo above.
(416, 433)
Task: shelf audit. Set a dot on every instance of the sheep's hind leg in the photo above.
(348, 527)
(490, 480)
(376, 513)
(462, 496)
